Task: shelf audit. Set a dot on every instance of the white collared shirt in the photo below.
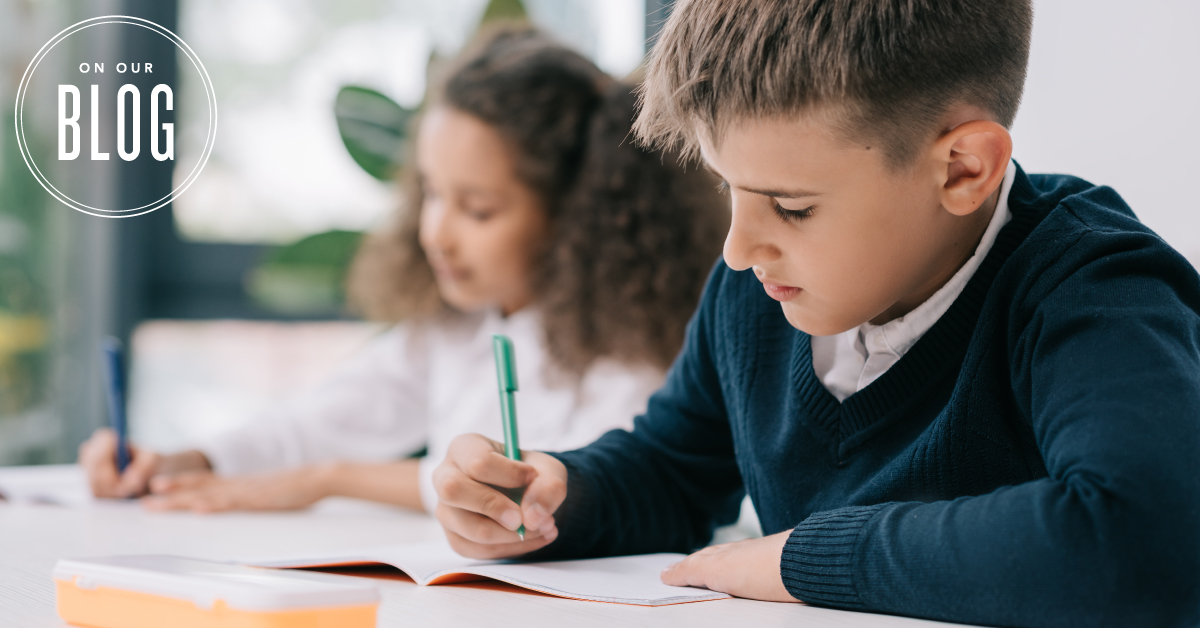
(416, 386)
(848, 362)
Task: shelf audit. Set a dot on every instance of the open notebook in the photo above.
(621, 580)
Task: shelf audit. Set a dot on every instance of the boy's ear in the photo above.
(975, 157)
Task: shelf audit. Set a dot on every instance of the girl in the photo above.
(531, 214)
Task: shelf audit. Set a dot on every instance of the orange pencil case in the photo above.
(158, 591)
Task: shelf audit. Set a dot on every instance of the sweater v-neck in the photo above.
(938, 354)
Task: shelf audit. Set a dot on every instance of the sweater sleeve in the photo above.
(1108, 372)
(665, 485)
(372, 408)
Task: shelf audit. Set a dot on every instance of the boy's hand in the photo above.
(480, 521)
(748, 569)
(203, 491)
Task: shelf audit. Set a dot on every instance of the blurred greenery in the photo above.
(373, 128)
(503, 10)
(306, 277)
(24, 337)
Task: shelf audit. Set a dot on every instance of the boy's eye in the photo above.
(791, 215)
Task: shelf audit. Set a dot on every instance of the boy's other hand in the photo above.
(748, 569)
(480, 521)
(204, 491)
(98, 457)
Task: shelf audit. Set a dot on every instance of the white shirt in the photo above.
(848, 362)
(417, 386)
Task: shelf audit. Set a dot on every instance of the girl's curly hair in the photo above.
(634, 233)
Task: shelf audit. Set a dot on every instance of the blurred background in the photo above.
(232, 296)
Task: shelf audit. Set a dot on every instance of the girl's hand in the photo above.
(748, 569)
(479, 520)
(202, 491)
(97, 456)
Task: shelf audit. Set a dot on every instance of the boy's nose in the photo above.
(747, 244)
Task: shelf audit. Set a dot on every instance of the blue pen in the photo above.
(114, 374)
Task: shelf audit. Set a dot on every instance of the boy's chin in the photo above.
(814, 323)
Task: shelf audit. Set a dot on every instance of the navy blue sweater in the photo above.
(1033, 460)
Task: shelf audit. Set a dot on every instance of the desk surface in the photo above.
(33, 537)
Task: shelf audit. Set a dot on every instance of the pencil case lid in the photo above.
(205, 582)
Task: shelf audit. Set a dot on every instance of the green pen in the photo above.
(506, 378)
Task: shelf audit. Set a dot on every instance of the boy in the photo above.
(951, 389)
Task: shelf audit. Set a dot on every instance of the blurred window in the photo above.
(279, 171)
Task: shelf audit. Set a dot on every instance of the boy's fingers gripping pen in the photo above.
(506, 379)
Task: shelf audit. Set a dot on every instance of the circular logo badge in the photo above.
(99, 98)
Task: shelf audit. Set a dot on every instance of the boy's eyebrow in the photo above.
(780, 193)
(771, 193)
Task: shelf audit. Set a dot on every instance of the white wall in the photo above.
(1113, 96)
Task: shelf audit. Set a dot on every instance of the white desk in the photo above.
(34, 536)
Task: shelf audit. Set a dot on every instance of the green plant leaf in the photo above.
(305, 277)
(374, 129)
(503, 10)
(330, 248)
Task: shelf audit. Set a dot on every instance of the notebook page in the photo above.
(421, 561)
(425, 561)
(621, 580)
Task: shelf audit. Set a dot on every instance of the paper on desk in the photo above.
(621, 580)
(58, 484)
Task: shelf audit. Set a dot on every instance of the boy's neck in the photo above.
(957, 256)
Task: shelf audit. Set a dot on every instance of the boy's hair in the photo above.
(633, 234)
(888, 70)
